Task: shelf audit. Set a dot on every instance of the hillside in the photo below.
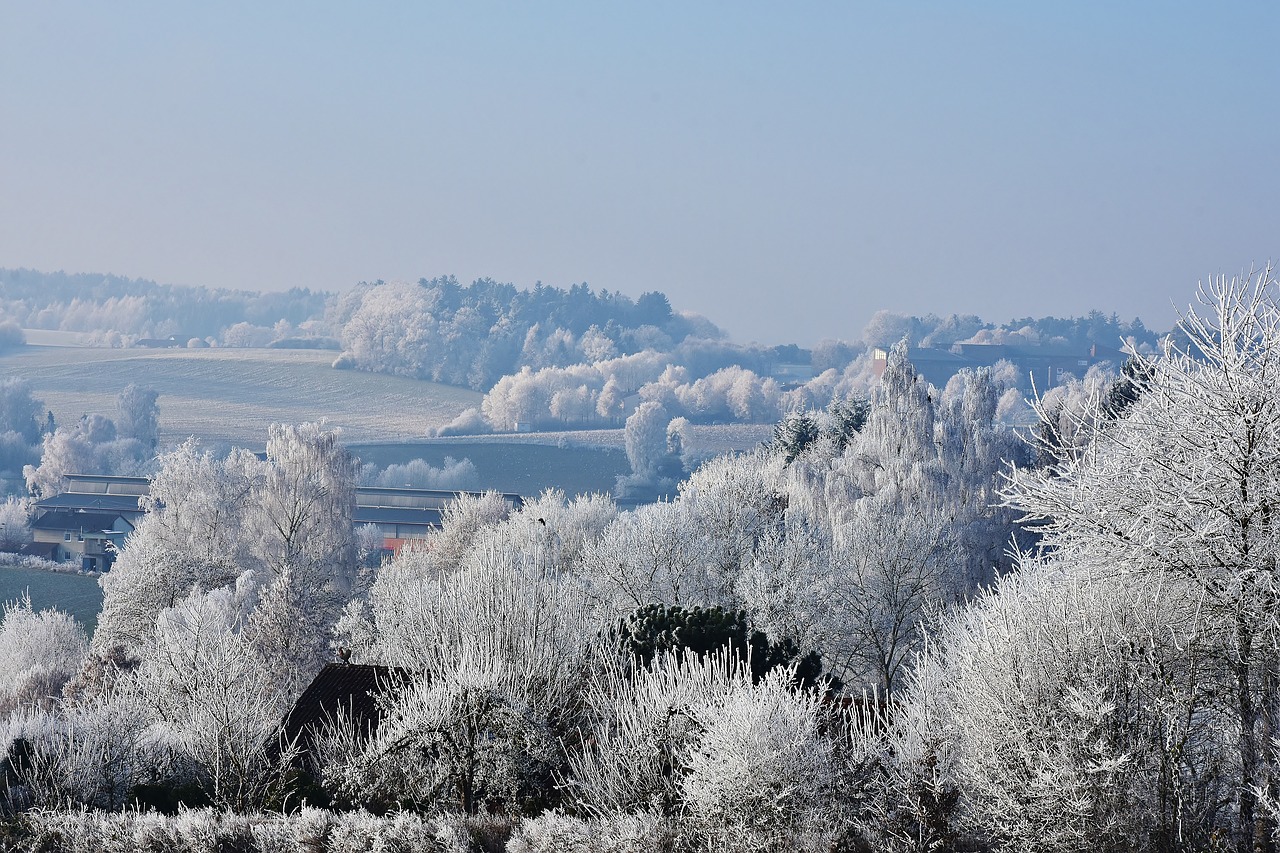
(234, 394)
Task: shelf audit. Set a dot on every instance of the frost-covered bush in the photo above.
(211, 831)
(91, 754)
(643, 732)
(470, 422)
(1065, 707)
(556, 832)
(15, 523)
(761, 773)
(452, 474)
(39, 653)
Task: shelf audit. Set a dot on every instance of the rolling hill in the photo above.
(232, 395)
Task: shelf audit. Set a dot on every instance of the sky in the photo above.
(786, 169)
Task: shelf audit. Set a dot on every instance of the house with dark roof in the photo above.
(82, 535)
(341, 691)
(159, 343)
(90, 520)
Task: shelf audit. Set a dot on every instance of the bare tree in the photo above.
(1186, 485)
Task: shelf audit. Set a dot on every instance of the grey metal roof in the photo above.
(67, 520)
(396, 515)
(103, 503)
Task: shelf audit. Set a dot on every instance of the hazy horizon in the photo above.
(753, 163)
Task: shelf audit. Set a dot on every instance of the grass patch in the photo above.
(78, 595)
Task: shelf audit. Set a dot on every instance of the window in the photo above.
(66, 537)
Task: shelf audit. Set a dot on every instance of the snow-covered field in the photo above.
(233, 395)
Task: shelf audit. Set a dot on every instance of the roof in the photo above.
(348, 687)
(396, 515)
(920, 354)
(103, 503)
(115, 479)
(432, 498)
(66, 520)
(47, 550)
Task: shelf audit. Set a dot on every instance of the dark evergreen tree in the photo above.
(656, 629)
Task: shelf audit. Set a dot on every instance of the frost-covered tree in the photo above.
(302, 535)
(20, 412)
(194, 533)
(652, 555)
(15, 523)
(762, 773)
(747, 766)
(137, 415)
(646, 440)
(203, 675)
(91, 752)
(794, 433)
(90, 446)
(1184, 487)
(498, 649)
(287, 521)
(1071, 707)
(894, 563)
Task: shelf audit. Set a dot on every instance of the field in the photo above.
(577, 462)
(232, 395)
(524, 468)
(78, 595)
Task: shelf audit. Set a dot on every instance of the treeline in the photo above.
(933, 332)
(474, 335)
(136, 308)
(546, 357)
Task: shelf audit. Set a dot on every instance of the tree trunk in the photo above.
(1265, 833)
(1246, 816)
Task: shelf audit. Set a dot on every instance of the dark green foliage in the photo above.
(794, 433)
(656, 629)
(1127, 388)
(845, 418)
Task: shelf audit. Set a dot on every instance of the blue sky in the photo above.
(785, 169)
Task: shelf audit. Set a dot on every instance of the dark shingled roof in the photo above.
(65, 520)
(346, 686)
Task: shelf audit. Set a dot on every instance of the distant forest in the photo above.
(90, 302)
(545, 356)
